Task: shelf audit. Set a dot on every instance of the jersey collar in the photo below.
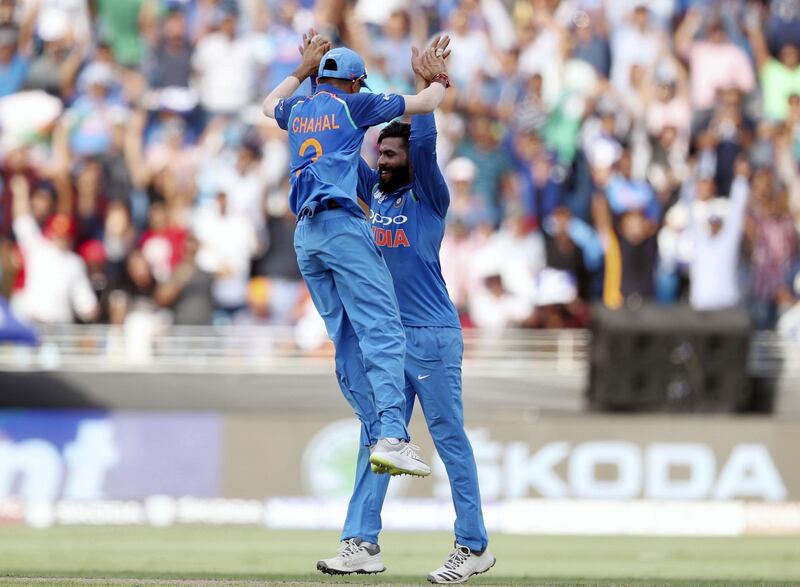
(398, 191)
(329, 88)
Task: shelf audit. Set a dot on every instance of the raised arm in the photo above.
(25, 228)
(587, 239)
(426, 101)
(68, 70)
(312, 50)
(756, 37)
(132, 148)
(20, 196)
(740, 192)
(428, 179)
(686, 32)
(26, 30)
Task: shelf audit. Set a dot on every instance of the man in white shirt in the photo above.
(518, 254)
(713, 268)
(226, 66)
(241, 176)
(56, 286)
(637, 42)
(469, 47)
(494, 308)
(52, 14)
(227, 243)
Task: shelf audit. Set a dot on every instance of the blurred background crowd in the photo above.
(618, 151)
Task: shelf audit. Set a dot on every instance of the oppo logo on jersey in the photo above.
(376, 218)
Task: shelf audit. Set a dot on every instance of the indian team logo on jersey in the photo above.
(329, 461)
(398, 202)
(378, 195)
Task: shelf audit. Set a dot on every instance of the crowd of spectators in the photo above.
(618, 151)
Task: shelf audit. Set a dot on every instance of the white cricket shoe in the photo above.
(461, 565)
(354, 556)
(397, 458)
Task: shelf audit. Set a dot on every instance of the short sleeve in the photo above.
(283, 109)
(367, 178)
(371, 109)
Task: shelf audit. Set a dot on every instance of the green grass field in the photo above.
(234, 556)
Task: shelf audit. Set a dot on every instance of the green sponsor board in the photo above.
(590, 457)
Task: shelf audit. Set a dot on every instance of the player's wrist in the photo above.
(303, 72)
(441, 78)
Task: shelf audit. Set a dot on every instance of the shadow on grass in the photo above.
(198, 579)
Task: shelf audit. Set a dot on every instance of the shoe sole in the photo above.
(322, 567)
(384, 466)
(432, 579)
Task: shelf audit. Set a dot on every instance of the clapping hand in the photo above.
(312, 49)
(431, 62)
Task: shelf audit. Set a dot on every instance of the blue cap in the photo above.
(343, 63)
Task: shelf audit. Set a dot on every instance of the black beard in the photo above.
(400, 177)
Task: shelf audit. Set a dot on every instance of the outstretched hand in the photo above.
(431, 62)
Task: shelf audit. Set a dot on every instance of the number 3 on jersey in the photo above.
(307, 144)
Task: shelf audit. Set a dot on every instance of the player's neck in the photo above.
(338, 86)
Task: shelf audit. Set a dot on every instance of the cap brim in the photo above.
(365, 84)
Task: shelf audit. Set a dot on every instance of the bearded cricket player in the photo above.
(409, 200)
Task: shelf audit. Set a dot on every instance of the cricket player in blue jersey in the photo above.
(409, 200)
(341, 265)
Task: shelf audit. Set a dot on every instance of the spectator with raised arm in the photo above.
(713, 270)
(57, 286)
(715, 62)
(225, 64)
(780, 78)
(635, 42)
(227, 243)
(130, 116)
(169, 62)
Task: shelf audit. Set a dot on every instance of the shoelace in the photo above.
(350, 548)
(410, 450)
(457, 558)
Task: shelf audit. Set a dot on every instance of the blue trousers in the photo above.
(432, 374)
(353, 291)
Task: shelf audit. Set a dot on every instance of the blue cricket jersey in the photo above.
(326, 130)
(408, 225)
